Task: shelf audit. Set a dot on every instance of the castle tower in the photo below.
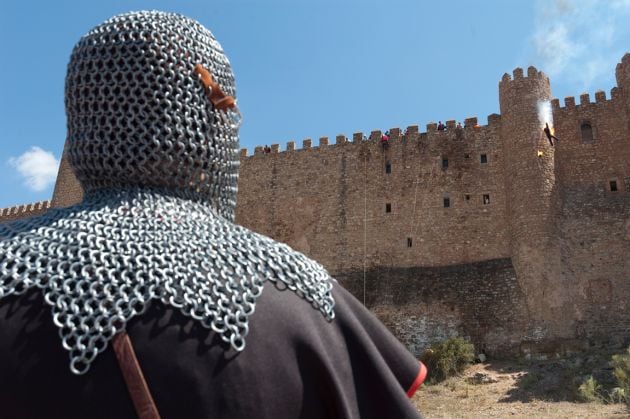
(68, 190)
(622, 73)
(528, 161)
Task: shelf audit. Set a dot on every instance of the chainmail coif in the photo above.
(159, 167)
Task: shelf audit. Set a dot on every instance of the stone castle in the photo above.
(483, 231)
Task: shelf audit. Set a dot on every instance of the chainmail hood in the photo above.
(159, 168)
(138, 114)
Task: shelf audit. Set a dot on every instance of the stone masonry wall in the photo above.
(598, 161)
(530, 188)
(23, 211)
(331, 201)
(594, 221)
(566, 233)
(482, 301)
(68, 190)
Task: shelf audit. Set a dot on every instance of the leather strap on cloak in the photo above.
(134, 378)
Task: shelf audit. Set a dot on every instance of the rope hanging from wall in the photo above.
(364, 225)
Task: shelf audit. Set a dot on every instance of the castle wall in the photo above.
(482, 301)
(594, 222)
(330, 201)
(594, 244)
(19, 212)
(604, 158)
(566, 234)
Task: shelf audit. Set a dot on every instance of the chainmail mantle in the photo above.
(159, 167)
(100, 262)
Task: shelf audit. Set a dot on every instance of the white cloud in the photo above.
(38, 167)
(579, 39)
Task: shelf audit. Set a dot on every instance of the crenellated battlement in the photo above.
(622, 72)
(518, 75)
(410, 134)
(623, 63)
(23, 211)
(516, 93)
(585, 100)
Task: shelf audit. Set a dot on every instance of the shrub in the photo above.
(530, 381)
(618, 395)
(621, 370)
(589, 390)
(448, 358)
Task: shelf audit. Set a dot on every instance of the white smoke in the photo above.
(38, 167)
(545, 116)
(579, 39)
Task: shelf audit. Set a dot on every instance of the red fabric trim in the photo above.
(422, 374)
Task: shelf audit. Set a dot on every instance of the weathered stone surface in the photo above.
(68, 190)
(550, 210)
(482, 301)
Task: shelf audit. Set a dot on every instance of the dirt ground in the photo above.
(536, 389)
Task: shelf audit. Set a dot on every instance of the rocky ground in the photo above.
(532, 389)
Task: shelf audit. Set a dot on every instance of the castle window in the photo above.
(484, 158)
(409, 242)
(486, 199)
(388, 168)
(466, 156)
(467, 197)
(447, 202)
(444, 163)
(613, 186)
(388, 207)
(587, 132)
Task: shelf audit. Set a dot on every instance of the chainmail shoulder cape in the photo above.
(99, 263)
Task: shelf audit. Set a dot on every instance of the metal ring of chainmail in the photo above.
(159, 167)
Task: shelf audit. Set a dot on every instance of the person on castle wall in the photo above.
(459, 131)
(267, 149)
(550, 136)
(146, 299)
(441, 126)
(385, 140)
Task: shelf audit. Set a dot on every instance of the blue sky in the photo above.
(312, 68)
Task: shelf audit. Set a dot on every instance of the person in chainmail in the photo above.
(152, 265)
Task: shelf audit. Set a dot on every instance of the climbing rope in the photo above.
(413, 212)
(364, 226)
(415, 222)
